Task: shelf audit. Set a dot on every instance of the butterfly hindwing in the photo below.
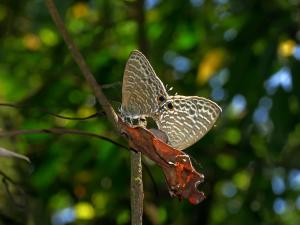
(185, 120)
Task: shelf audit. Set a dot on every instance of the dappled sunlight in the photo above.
(278, 185)
(282, 78)
(85, 111)
(217, 82)
(80, 10)
(294, 179)
(279, 206)
(286, 48)
(230, 34)
(150, 4)
(296, 52)
(238, 105)
(298, 202)
(211, 62)
(32, 42)
(261, 116)
(84, 211)
(229, 189)
(197, 3)
(261, 113)
(81, 211)
(64, 216)
(48, 36)
(179, 63)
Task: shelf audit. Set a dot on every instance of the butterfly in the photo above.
(184, 119)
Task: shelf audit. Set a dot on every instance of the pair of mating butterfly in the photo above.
(184, 119)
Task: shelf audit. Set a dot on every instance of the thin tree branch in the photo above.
(98, 113)
(7, 153)
(136, 186)
(59, 131)
(6, 180)
(137, 192)
(112, 116)
(112, 85)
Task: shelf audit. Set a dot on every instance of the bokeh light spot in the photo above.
(84, 211)
(3, 12)
(278, 185)
(229, 189)
(232, 136)
(80, 10)
(294, 179)
(218, 94)
(211, 62)
(48, 37)
(238, 104)
(32, 42)
(296, 52)
(286, 48)
(281, 78)
(242, 179)
(279, 206)
(64, 216)
(225, 162)
(150, 4)
(197, 3)
(123, 217)
(230, 34)
(298, 202)
(181, 64)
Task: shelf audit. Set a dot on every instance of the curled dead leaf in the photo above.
(181, 177)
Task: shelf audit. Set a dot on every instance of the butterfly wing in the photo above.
(186, 120)
(142, 91)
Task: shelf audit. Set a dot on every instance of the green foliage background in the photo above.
(226, 50)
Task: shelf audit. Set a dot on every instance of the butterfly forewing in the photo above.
(142, 91)
(185, 120)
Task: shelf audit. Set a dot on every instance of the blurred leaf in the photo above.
(242, 180)
(232, 136)
(123, 217)
(225, 162)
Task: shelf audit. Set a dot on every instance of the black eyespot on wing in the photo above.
(161, 98)
(170, 105)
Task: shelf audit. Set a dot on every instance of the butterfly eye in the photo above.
(170, 105)
(161, 98)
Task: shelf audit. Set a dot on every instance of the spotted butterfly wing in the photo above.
(142, 91)
(186, 119)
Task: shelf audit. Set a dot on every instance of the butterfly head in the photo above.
(162, 100)
(167, 105)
